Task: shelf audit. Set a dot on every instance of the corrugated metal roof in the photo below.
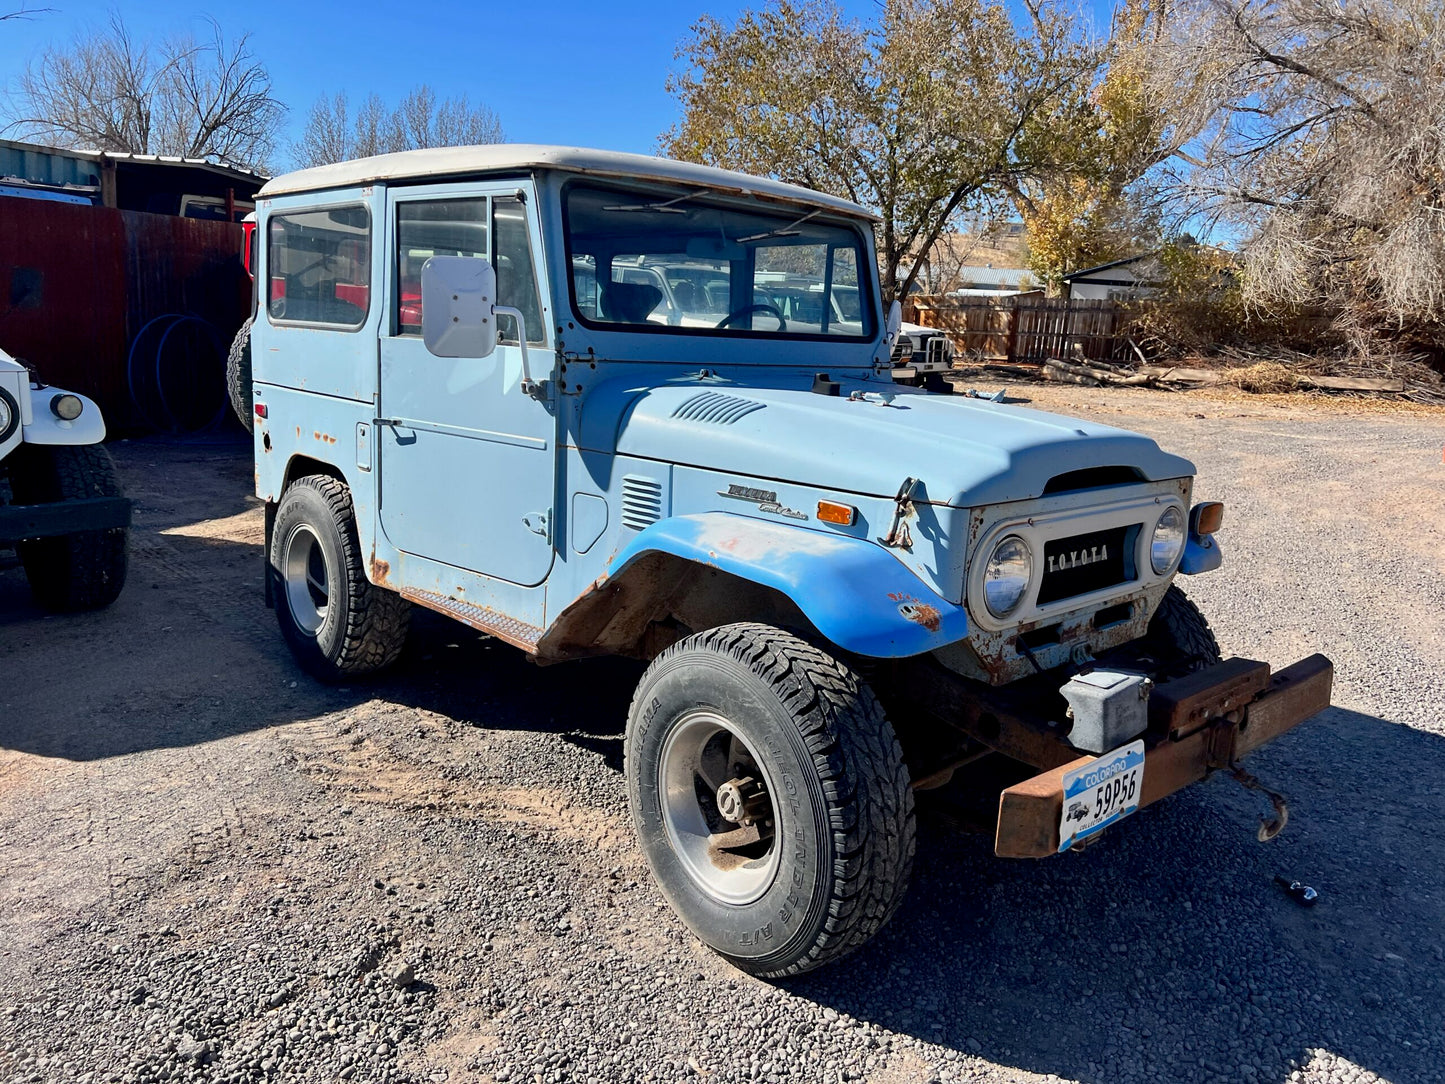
(502, 157)
(1000, 275)
(62, 165)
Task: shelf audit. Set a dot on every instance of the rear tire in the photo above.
(82, 571)
(238, 377)
(337, 623)
(824, 861)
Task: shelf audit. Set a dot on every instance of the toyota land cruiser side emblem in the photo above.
(765, 499)
(1078, 558)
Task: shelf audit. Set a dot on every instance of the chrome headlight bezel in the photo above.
(997, 584)
(1166, 543)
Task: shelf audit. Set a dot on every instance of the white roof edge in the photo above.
(498, 157)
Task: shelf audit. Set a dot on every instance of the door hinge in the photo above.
(539, 523)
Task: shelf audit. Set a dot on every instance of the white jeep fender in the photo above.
(41, 426)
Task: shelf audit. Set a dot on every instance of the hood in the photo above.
(966, 452)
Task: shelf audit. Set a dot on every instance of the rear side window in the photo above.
(318, 265)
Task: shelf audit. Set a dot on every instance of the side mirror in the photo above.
(458, 307)
(895, 321)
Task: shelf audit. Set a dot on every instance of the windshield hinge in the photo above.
(899, 536)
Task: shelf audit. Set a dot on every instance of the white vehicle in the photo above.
(61, 506)
(921, 356)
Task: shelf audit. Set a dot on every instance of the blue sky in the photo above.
(555, 71)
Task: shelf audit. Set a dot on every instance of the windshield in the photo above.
(685, 262)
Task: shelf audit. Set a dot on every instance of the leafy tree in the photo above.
(920, 115)
(1090, 199)
(333, 133)
(110, 91)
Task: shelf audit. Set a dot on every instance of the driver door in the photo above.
(468, 461)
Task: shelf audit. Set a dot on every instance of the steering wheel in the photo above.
(771, 310)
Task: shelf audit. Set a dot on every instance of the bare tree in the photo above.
(24, 12)
(112, 91)
(1318, 132)
(420, 119)
(919, 115)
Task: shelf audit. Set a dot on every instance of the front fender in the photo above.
(45, 428)
(854, 591)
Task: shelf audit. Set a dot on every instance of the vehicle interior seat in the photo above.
(629, 302)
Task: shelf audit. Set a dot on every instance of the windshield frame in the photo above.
(655, 193)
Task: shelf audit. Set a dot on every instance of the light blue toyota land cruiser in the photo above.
(595, 403)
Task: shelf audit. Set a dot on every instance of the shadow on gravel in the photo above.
(1078, 965)
(480, 681)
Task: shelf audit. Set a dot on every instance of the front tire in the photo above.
(337, 623)
(82, 571)
(748, 719)
(1179, 638)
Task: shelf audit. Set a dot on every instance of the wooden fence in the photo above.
(1027, 327)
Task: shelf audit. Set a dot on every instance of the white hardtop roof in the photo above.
(510, 157)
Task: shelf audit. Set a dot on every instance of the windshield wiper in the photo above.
(666, 206)
(790, 230)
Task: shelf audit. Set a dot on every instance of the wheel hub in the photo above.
(743, 801)
(717, 808)
(306, 580)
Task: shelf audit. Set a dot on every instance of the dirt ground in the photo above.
(213, 868)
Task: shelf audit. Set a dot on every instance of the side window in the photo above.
(427, 228)
(516, 276)
(319, 267)
(584, 285)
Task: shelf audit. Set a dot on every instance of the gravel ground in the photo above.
(214, 869)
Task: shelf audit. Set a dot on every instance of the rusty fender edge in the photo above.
(1029, 812)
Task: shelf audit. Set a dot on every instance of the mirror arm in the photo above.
(529, 386)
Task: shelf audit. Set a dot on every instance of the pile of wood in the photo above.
(1257, 373)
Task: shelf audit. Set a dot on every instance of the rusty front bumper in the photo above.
(1199, 723)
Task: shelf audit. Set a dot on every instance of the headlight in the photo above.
(66, 407)
(1007, 576)
(1168, 541)
(9, 414)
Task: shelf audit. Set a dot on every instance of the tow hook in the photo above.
(1268, 827)
(899, 536)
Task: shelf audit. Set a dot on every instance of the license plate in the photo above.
(1101, 792)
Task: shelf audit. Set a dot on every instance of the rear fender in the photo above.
(854, 591)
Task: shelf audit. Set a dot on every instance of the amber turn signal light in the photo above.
(833, 512)
(1208, 517)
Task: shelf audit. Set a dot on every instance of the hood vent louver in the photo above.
(641, 501)
(715, 408)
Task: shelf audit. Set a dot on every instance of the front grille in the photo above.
(1087, 562)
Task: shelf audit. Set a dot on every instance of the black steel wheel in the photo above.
(770, 797)
(81, 571)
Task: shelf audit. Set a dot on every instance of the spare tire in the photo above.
(238, 376)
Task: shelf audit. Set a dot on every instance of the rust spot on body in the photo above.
(380, 570)
(920, 613)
